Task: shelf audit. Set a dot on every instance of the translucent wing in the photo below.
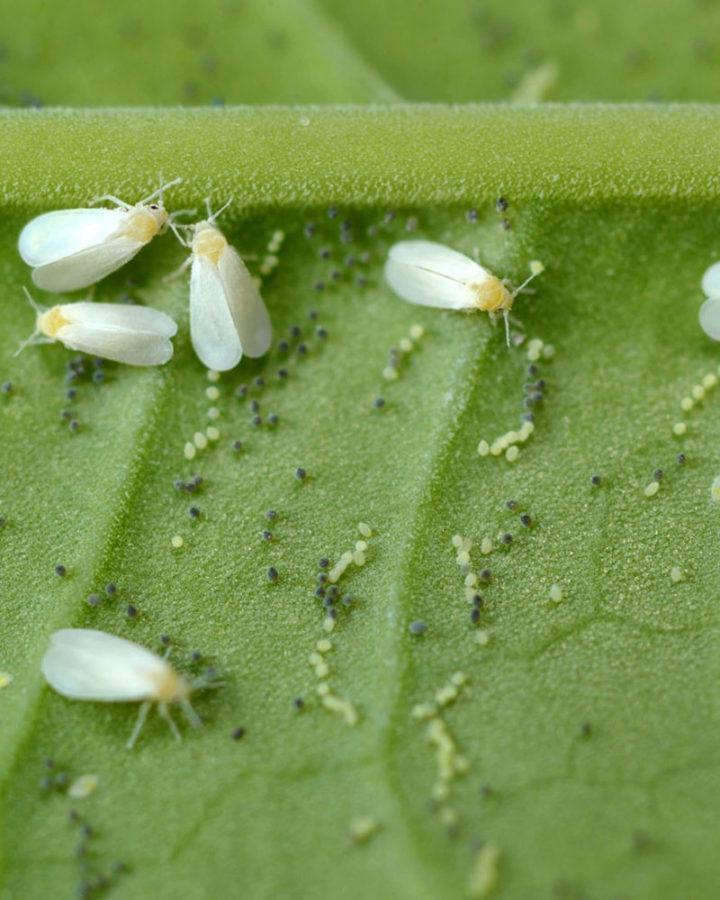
(132, 348)
(70, 273)
(56, 235)
(212, 328)
(247, 309)
(710, 318)
(120, 315)
(711, 282)
(92, 665)
(431, 274)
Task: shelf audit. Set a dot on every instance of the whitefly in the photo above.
(84, 664)
(123, 332)
(70, 249)
(431, 274)
(228, 318)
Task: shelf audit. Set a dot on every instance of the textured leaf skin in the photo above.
(627, 809)
(594, 723)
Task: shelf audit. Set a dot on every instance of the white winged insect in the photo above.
(431, 274)
(123, 332)
(83, 664)
(710, 310)
(70, 249)
(228, 318)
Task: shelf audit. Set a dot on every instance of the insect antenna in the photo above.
(160, 191)
(116, 200)
(213, 217)
(38, 312)
(208, 680)
(535, 271)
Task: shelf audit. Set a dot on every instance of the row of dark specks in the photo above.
(533, 396)
(288, 353)
(330, 575)
(501, 207)
(450, 763)
(362, 827)
(484, 873)
(473, 580)
(80, 371)
(328, 591)
(351, 265)
(92, 882)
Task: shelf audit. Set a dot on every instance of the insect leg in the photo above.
(506, 318)
(176, 231)
(165, 713)
(31, 341)
(190, 714)
(139, 722)
(178, 272)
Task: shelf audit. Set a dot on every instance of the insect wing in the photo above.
(212, 328)
(65, 232)
(91, 665)
(87, 266)
(247, 308)
(431, 274)
(711, 282)
(120, 315)
(710, 318)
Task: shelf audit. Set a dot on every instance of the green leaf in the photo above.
(589, 726)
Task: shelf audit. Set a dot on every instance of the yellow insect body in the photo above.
(431, 274)
(209, 242)
(170, 686)
(135, 335)
(492, 295)
(50, 322)
(145, 222)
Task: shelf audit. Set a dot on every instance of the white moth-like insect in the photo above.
(710, 310)
(70, 249)
(84, 664)
(227, 315)
(431, 274)
(123, 332)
